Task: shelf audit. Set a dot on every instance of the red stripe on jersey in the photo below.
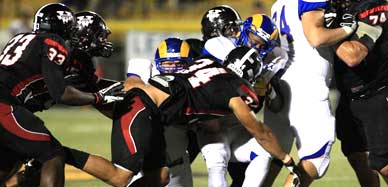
(374, 10)
(250, 92)
(16, 90)
(127, 121)
(57, 45)
(9, 122)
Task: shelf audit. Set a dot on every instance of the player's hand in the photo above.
(110, 94)
(296, 174)
(348, 23)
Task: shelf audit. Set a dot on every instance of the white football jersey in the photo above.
(218, 47)
(305, 60)
(142, 67)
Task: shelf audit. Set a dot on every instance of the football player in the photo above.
(172, 54)
(304, 37)
(32, 64)
(357, 54)
(202, 91)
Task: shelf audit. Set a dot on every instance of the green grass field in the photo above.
(88, 130)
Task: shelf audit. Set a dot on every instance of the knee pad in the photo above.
(216, 155)
(321, 164)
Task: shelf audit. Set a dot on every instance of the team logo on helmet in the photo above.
(64, 16)
(213, 14)
(84, 21)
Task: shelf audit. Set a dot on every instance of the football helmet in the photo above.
(91, 34)
(245, 62)
(262, 27)
(220, 21)
(174, 50)
(54, 18)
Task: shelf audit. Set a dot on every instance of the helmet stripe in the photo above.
(162, 48)
(185, 49)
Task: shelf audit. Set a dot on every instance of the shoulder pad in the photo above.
(218, 47)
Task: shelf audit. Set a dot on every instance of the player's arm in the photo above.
(316, 33)
(61, 93)
(354, 51)
(261, 132)
(54, 55)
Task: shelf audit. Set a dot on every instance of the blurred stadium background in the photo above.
(137, 27)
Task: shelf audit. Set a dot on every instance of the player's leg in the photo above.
(137, 138)
(193, 148)
(251, 152)
(314, 137)
(236, 135)
(215, 151)
(177, 156)
(236, 171)
(373, 114)
(10, 163)
(26, 135)
(313, 124)
(353, 144)
(279, 123)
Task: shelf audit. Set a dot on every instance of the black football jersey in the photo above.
(32, 64)
(372, 73)
(202, 92)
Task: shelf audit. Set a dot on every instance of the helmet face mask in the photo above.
(54, 18)
(260, 27)
(91, 35)
(172, 54)
(244, 62)
(220, 21)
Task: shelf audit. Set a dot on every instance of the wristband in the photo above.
(348, 30)
(367, 42)
(287, 159)
(96, 98)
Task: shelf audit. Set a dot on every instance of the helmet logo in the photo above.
(84, 21)
(263, 34)
(65, 16)
(212, 14)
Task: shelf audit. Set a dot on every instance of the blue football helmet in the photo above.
(262, 27)
(175, 51)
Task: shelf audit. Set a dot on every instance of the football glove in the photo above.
(348, 23)
(331, 20)
(110, 94)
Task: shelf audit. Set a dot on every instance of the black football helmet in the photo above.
(54, 18)
(91, 34)
(220, 21)
(245, 62)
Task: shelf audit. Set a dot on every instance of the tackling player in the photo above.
(172, 54)
(189, 96)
